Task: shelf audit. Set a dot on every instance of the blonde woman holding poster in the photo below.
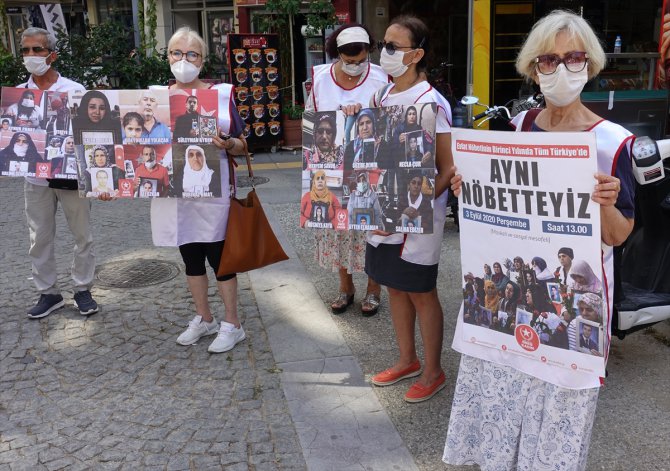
(547, 424)
(198, 227)
(350, 80)
(407, 263)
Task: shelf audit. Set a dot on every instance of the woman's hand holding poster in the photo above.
(526, 208)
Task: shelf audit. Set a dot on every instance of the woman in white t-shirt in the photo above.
(407, 263)
(342, 85)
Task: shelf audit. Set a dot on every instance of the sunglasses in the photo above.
(35, 49)
(391, 48)
(574, 61)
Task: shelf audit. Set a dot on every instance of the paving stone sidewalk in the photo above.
(114, 391)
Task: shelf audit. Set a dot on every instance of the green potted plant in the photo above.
(292, 123)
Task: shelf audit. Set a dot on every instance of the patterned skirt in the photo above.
(340, 249)
(503, 419)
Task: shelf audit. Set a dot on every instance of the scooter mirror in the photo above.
(469, 100)
(648, 159)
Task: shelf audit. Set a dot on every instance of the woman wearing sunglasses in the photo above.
(548, 423)
(407, 264)
(342, 85)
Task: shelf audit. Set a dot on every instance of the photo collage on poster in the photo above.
(128, 143)
(372, 171)
(34, 134)
(564, 307)
(254, 63)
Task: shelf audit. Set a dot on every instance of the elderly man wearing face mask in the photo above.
(38, 48)
(149, 168)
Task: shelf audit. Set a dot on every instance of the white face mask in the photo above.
(354, 70)
(362, 187)
(184, 71)
(20, 149)
(392, 64)
(36, 65)
(563, 87)
(28, 103)
(150, 164)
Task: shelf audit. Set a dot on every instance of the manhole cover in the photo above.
(135, 273)
(245, 182)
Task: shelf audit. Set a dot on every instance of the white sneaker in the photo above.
(197, 328)
(228, 337)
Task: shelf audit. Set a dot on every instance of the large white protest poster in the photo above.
(525, 200)
(375, 170)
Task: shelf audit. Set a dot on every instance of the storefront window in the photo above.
(115, 10)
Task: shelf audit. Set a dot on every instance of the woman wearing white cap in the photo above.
(343, 84)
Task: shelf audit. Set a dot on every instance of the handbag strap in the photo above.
(232, 164)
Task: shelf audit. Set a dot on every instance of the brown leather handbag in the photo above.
(250, 241)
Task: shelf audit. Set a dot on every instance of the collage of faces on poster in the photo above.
(128, 143)
(254, 64)
(371, 171)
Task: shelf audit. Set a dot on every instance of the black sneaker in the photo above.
(46, 305)
(85, 303)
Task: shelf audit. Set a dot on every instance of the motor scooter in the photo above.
(642, 263)
(642, 291)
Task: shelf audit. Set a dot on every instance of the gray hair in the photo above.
(191, 37)
(32, 32)
(542, 38)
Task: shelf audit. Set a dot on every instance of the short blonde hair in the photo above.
(542, 38)
(191, 37)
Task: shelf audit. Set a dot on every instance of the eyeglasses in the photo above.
(35, 49)
(191, 56)
(391, 48)
(574, 61)
(415, 182)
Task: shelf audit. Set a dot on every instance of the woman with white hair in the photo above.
(198, 227)
(197, 175)
(521, 417)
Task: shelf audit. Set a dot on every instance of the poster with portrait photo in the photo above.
(148, 188)
(101, 181)
(91, 158)
(70, 166)
(57, 120)
(413, 149)
(153, 108)
(152, 161)
(589, 336)
(360, 196)
(197, 172)
(25, 107)
(96, 117)
(6, 123)
(554, 292)
(523, 316)
(413, 211)
(129, 168)
(187, 107)
(495, 225)
(21, 152)
(367, 143)
(322, 189)
(322, 141)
